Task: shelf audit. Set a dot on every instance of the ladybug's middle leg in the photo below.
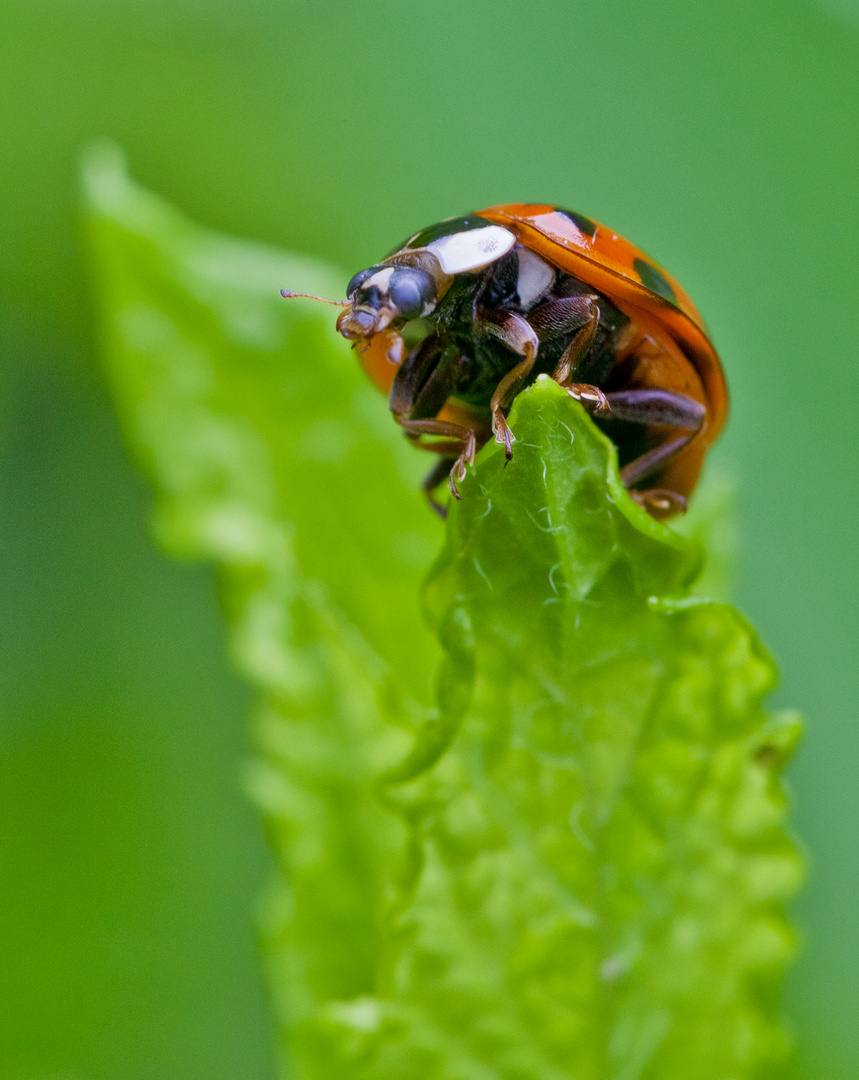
(579, 316)
(456, 437)
(576, 315)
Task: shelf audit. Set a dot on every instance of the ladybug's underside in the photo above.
(484, 314)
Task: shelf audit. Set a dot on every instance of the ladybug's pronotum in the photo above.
(459, 319)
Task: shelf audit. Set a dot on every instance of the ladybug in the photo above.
(460, 318)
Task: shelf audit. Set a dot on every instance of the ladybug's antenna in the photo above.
(310, 296)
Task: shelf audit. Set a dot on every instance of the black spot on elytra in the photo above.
(582, 223)
(654, 280)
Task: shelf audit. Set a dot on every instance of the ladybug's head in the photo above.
(384, 296)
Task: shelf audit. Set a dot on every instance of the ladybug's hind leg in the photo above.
(660, 503)
(659, 408)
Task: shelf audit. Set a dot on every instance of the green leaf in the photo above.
(568, 862)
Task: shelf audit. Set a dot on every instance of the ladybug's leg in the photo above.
(591, 397)
(654, 459)
(660, 503)
(576, 315)
(517, 334)
(555, 318)
(456, 437)
(654, 406)
(437, 475)
(505, 391)
(659, 408)
(424, 380)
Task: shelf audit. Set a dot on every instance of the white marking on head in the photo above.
(381, 279)
(470, 250)
(535, 277)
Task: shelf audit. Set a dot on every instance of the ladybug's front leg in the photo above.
(517, 334)
(457, 438)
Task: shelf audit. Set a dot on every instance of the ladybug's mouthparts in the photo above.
(357, 323)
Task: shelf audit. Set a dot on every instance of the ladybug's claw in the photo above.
(454, 437)
(519, 335)
(503, 434)
(593, 399)
(466, 458)
(660, 503)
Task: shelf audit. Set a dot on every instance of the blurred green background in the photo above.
(720, 135)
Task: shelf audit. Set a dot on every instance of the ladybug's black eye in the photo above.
(359, 278)
(411, 291)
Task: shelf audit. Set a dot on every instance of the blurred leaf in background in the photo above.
(722, 136)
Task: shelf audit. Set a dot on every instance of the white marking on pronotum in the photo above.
(470, 250)
(535, 277)
(572, 436)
